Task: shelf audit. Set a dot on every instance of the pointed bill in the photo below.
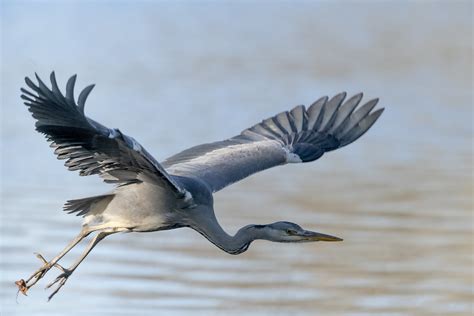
(315, 236)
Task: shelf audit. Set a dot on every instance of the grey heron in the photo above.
(178, 192)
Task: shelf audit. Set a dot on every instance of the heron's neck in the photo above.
(210, 228)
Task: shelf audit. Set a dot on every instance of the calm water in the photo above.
(174, 75)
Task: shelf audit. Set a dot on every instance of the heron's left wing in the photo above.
(299, 135)
(87, 145)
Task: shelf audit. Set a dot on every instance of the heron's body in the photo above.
(141, 207)
(151, 196)
(137, 207)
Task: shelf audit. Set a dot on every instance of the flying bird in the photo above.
(178, 192)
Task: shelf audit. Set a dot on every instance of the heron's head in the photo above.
(291, 232)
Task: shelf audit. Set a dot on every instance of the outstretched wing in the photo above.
(299, 135)
(87, 145)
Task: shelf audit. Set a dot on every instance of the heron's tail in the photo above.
(326, 125)
(85, 205)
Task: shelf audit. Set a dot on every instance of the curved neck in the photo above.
(210, 228)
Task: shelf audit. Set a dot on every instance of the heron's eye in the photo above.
(290, 232)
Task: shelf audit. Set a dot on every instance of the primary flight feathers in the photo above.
(87, 145)
(298, 135)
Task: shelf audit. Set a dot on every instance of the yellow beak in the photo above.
(315, 236)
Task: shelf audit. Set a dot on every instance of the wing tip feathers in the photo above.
(54, 93)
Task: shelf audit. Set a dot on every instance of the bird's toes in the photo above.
(41, 258)
(60, 267)
(24, 286)
(38, 275)
(59, 278)
(60, 281)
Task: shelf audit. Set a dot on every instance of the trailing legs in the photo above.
(62, 278)
(24, 286)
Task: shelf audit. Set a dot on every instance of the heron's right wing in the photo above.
(299, 135)
(87, 145)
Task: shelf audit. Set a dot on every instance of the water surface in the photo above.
(175, 75)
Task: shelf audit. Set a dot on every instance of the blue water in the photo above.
(173, 75)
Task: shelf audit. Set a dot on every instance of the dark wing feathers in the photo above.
(86, 145)
(314, 111)
(361, 127)
(329, 112)
(343, 114)
(328, 124)
(298, 135)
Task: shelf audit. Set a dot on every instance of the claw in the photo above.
(53, 283)
(61, 280)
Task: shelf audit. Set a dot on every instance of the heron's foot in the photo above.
(24, 286)
(60, 280)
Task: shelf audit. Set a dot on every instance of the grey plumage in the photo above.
(83, 206)
(150, 196)
(325, 126)
(89, 146)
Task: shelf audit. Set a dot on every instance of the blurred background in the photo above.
(176, 74)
